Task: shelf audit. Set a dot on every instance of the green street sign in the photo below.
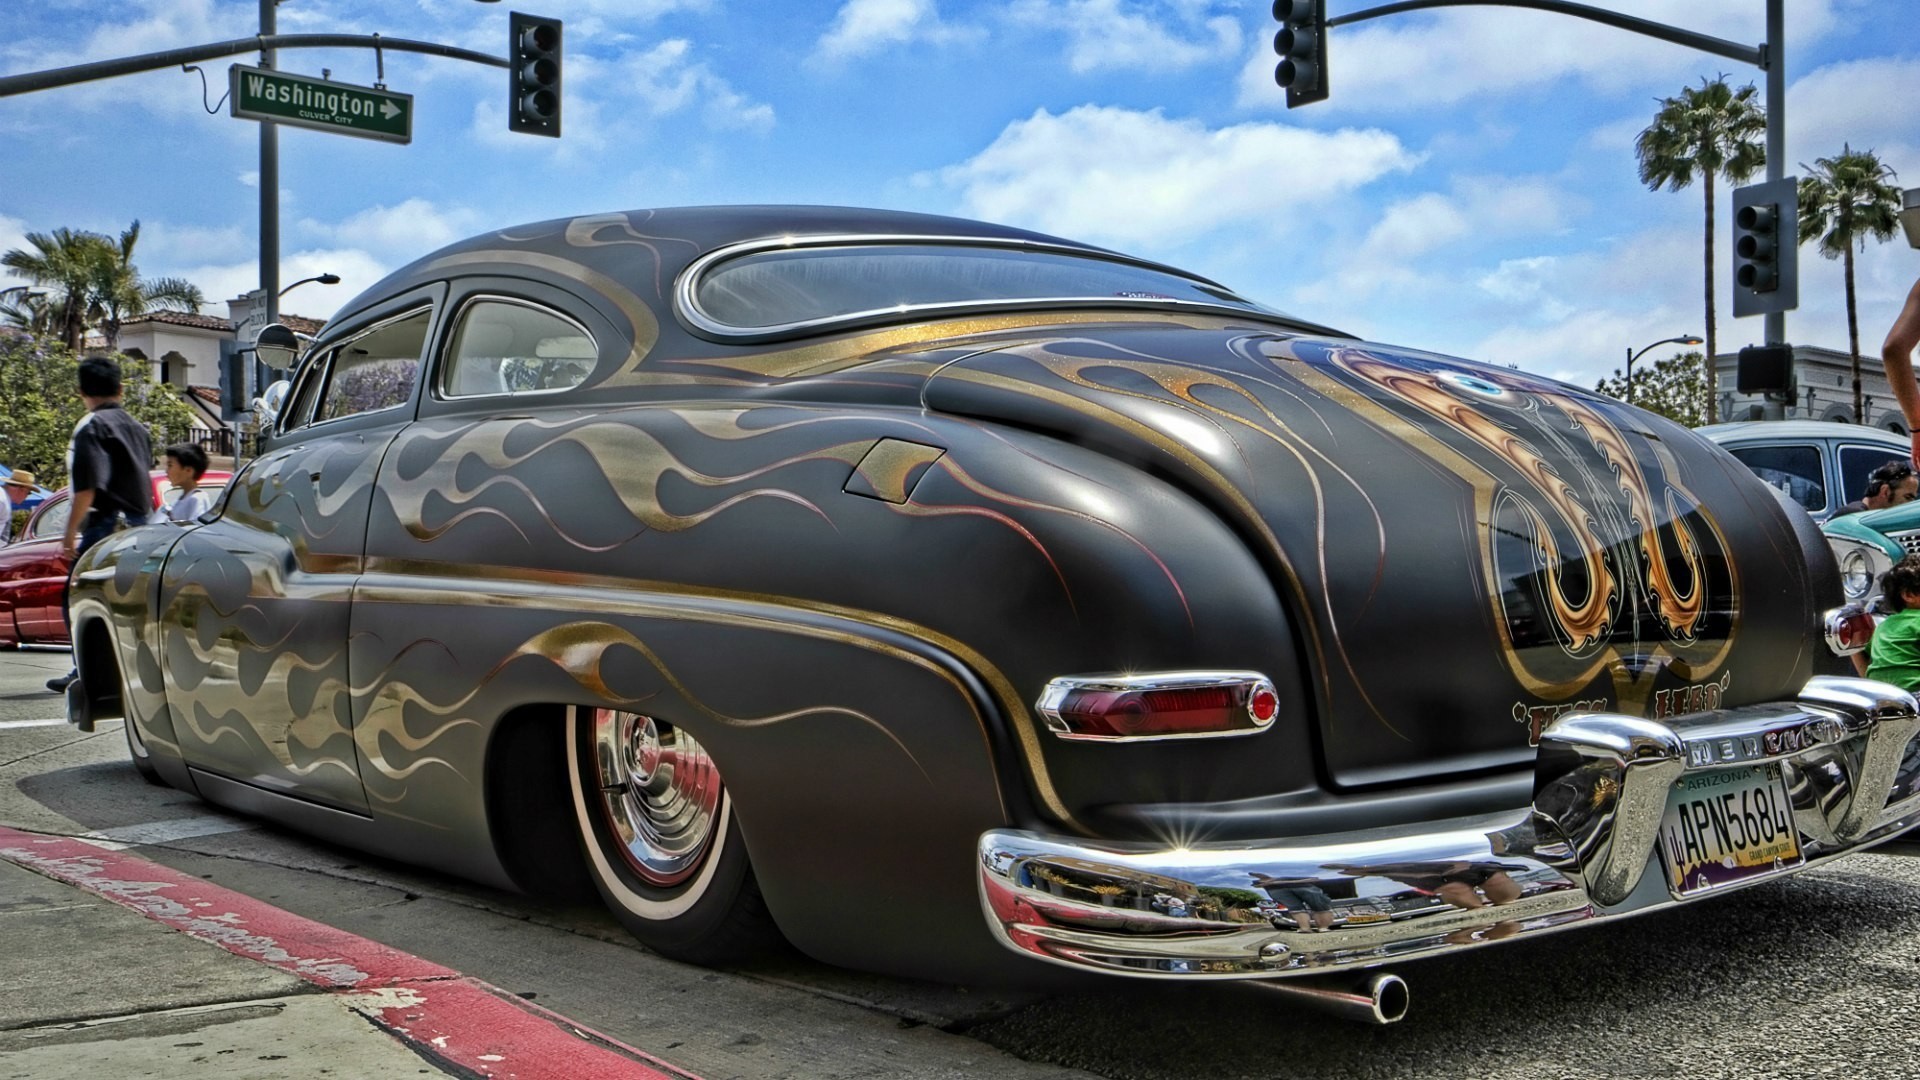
(265, 94)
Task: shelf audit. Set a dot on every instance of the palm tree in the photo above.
(1844, 200)
(27, 308)
(66, 262)
(1706, 133)
(119, 293)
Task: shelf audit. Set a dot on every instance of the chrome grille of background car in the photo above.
(1908, 539)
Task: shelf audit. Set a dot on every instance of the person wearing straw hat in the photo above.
(17, 489)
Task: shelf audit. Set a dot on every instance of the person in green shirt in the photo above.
(1894, 655)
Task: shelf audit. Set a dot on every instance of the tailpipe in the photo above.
(1378, 997)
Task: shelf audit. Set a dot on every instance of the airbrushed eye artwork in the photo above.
(966, 603)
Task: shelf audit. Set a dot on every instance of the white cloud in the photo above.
(1118, 35)
(1850, 103)
(1429, 61)
(666, 80)
(13, 235)
(864, 27)
(409, 229)
(221, 282)
(1432, 224)
(1128, 177)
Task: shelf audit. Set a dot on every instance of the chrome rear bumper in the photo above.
(1585, 849)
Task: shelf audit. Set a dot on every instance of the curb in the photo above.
(464, 1026)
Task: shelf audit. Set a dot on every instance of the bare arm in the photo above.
(1897, 354)
(82, 502)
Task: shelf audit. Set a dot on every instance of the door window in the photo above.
(1794, 470)
(1856, 462)
(375, 369)
(511, 347)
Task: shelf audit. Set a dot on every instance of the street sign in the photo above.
(265, 94)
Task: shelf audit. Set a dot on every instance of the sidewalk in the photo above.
(211, 983)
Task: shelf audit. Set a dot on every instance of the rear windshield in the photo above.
(790, 288)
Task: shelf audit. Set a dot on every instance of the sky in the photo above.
(1469, 187)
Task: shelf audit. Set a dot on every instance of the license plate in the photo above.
(1728, 826)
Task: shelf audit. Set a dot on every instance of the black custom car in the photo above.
(949, 599)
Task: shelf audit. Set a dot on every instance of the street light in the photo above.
(1684, 339)
(324, 279)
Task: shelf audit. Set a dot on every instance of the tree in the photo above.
(40, 404)
(120, 293)
(1703, 134)
(1844, 200)
(66, 262)
(92, 281)
(1675, 387)
(27, 308)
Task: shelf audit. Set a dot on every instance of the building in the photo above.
(203, 356)
(1822, 390)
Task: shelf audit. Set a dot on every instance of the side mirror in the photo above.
(266, 407)
(276, 346)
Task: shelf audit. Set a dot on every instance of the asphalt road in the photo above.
(1805, 977)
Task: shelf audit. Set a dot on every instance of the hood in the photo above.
(1472, 551)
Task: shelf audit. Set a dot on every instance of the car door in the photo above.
(255, 605)
(511, 351)
(33, 575)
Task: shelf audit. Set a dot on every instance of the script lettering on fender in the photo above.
(1700, 697)
(1537, 717)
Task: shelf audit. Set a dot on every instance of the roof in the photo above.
(1742, 430)
(180, 318)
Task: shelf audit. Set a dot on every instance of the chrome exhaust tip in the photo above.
(1379, 997)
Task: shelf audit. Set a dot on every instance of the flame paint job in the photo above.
(859, 555)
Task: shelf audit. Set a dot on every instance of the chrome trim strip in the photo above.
(1583, 850)
(1056, 691)
(689, 310)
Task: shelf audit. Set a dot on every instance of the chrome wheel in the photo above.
(660, 793)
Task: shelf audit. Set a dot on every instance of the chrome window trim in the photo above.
(688, 308)
(436, 385)
(332, 351)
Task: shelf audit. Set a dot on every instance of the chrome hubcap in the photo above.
(660, 792)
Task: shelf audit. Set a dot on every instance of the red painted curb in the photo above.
(462, 1024)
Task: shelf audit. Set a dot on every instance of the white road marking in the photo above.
(161, 832)
(56, 722)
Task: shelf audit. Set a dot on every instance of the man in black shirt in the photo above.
(108, 464)
(1889, 485)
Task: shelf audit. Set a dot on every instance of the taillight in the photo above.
(1169, 705)
(1849, 629)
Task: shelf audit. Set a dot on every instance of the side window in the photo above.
(299, 407)
(1858, 461)
(1793, 469)
(510, 347)
(53, 521)
(375, 369)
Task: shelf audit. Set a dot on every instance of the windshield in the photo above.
(789, 288)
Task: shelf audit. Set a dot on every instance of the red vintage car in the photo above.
(33, 569)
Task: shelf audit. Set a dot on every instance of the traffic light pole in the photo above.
(269, 182)
(1773, 60)
(1769, 56)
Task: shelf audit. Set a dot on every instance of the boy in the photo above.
(186, 464)
(1895, 651)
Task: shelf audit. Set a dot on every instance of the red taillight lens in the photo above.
(1164, 706)
(1849, 629)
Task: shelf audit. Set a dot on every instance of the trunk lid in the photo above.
(1472, 551)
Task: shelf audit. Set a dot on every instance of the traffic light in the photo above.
(1757, 246)
(1766, 248)
(533, 91)
(1301, 44)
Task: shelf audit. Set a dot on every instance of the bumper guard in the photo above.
(1585, 849)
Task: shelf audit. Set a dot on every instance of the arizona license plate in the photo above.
(1726, 826)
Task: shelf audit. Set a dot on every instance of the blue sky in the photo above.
(1470, 186)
